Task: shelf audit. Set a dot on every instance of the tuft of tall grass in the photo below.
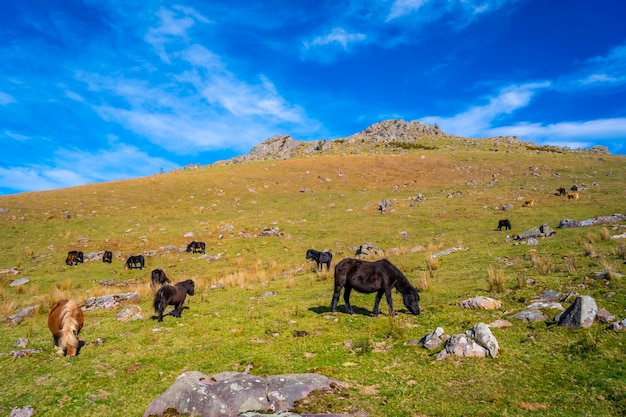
(521, 280)
(496, 280)
(605, 234)
(542, 265)
(432, 263)
(592, 237)
(424, 280)
(589, 250)
(570, 264)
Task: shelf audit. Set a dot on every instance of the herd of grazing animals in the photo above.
(65, 319)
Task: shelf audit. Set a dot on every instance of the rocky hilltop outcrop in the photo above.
(388, 133)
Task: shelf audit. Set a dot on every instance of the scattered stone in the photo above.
(384, 205)
(23, 352)
(537, 232)
(550, 295)
(500, 323)
(367, 249)
(617, 325)
(17, 318)
(19, 282)
(483, 336)
(448, 252)
(22, 342)
(567, 223)
(604, 317)
(530, 316)
(271, 231)
(232, 394)
(130, 313)
(462, 345)
(538, 305)
(481, 302)
(13, 271)
(264, 295)
(433, 339)
(581, 313)
(109, 301)
(26, 411)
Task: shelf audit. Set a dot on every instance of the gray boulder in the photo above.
(433, 339)
(530, 316)
(483, 336)
(581, 313)
(462, 345)
(232, 394)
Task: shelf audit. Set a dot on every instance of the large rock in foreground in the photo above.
(581, 313)
(232, 394)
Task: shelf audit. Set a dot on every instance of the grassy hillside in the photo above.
(327, 202)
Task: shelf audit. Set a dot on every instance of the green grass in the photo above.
(325, 202)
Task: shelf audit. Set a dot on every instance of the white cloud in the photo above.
(6, 99)
(583, 132)
(401, 8)
(608, 71)
(338, 36)
(475, 120)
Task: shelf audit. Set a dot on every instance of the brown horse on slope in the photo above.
(65, 321)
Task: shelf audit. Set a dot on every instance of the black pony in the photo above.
(196, 247)
(172, 295)
(504, 223)
(320, 257)
(159, 278)
(107, 256)
(74, 257)
(135, 262)
(368, 277)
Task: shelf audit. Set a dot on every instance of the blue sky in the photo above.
(100, 90)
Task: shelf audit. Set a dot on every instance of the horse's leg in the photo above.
(346, 299)
(178, 310)
(333, 304)
(390, 302)
(379, 296)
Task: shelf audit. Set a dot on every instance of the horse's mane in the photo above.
(69, 325)
(402, 282)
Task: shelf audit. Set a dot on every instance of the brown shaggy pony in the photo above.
(65, 321)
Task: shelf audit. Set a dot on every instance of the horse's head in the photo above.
(190, 287)
(411, 301)
(309, 254)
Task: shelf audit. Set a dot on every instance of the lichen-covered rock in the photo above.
(530, 316)
(462, 345)
(232, 394)
(481, 302)
(481, 333)
(581, 313)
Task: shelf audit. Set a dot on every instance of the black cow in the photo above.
(504, 223)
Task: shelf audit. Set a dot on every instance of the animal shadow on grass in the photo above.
(170, 313)
(342, 309)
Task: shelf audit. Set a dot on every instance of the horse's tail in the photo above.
(71, 322)
(158, 300)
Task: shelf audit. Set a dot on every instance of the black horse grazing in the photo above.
(135, 262)
(368, 277)
(73, 258)
(561, 191)
(196, 247)
(320, 257)
(504, 223)
(159, 278)
(107, 256)
(172, 295)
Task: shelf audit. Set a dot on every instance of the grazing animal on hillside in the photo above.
(573, 196)
(172, 295)
(74, 257)
(574, 188)
(561, 191)
(107, 256)
(529, 203)
(135, 262)
(159, 278)
(322, 258)
(504, 223)
(196, 247)
(368, 277)
(65, 321)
